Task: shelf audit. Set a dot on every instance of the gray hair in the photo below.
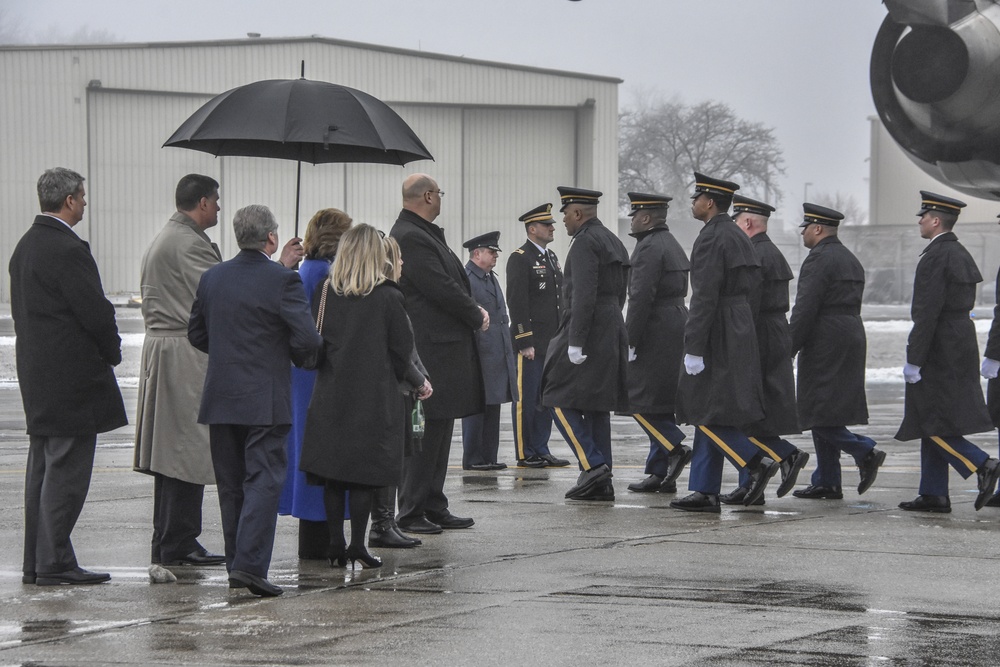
(55, 185)
(252, 224)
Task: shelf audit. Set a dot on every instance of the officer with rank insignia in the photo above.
(829, 338)
(720, 390)
(990, 369)
(944, 400)
(657, 285)
(583, 380)
(774, 343)
(534, 284)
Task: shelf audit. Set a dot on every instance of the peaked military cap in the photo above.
(816, 214)
(932, 202)
(715, 186)
(489, 240)
(743, 204)
(542, 214)
(642, 201)
(569, 196)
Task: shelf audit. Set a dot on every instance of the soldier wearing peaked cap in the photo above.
(481, 432)
(534, 283)
(944, 400)
(829, 338)
(990, 369)
(721, 388)
(657, 285)
(584, 376)
(774, 343)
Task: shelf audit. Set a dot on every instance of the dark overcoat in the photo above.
(67, 342)
(594, 291)
(355, 425)
(829, 337)
(444, 316)
(496, 354)
(251, 317)
(720, 328)
(774, 343)
(657, 285)
(993, 352)
(534, 286)
(948, 400)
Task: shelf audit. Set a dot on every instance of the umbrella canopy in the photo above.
(300, 119)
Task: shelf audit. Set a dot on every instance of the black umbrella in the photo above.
(302, 120)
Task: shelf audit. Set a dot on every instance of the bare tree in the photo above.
(662, 143)
(12, 31)
(854, 212)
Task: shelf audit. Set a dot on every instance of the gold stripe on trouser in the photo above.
(656, 434)
(722, 443)
(580, 454)
(767, 450)
(951, 450)
(519, 408)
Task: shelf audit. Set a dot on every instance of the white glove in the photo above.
(911, 373)
(576, 355)
(631, 353)
(693, 365)
(990, 368)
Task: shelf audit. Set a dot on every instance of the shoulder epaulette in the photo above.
(520, 251)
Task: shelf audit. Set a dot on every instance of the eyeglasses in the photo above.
(440, 193)
(381, 234)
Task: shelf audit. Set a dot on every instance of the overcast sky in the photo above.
(800, 66)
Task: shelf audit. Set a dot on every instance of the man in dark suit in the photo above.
(251, 317)
(944, 400)
(481, 433)
(584, 376)
(445, 318)
(67, 345)
(534, 286)
(990, 369)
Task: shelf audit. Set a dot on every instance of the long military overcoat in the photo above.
(829, 337)
(594, 290)
(496, 354)
(993, 352)
(948, 400)
(720, 329)
(774, 342)
(657, 285)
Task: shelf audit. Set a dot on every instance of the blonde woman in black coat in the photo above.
(354, 430)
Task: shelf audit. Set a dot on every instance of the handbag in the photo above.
(322, 306)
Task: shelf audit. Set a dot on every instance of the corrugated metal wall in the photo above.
(503, 138)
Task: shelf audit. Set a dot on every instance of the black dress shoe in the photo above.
(819, 493)
(994, 501)
(588, 479)
(736, 496)
(200, 557)
(601, 492)
(28, 578)
(869, 469)
(383, 536)
(421, 526)
(668, 487)
(75, 576)
(986, 480)
(791, 466)
(649, 485)
(676, 462)
(553, 462)
(940, 504)
(532, 462)
(416, 540)
(449, 521)
(257, 585)
(759, 477)
(698, 502)
(486, 466)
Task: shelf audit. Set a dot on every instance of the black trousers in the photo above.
(56, 482)
(422, 489)
(176, 518)
(481, 437)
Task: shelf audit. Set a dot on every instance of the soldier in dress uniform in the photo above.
(829, 337)
(534, 283)
(583, 380)
(944, 400)
(774, 343)
(990, 368)
(481, 432)
(720, 390)
(657, 285)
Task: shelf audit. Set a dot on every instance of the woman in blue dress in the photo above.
(305, 502)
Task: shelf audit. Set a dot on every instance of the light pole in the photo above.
(805, 192)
